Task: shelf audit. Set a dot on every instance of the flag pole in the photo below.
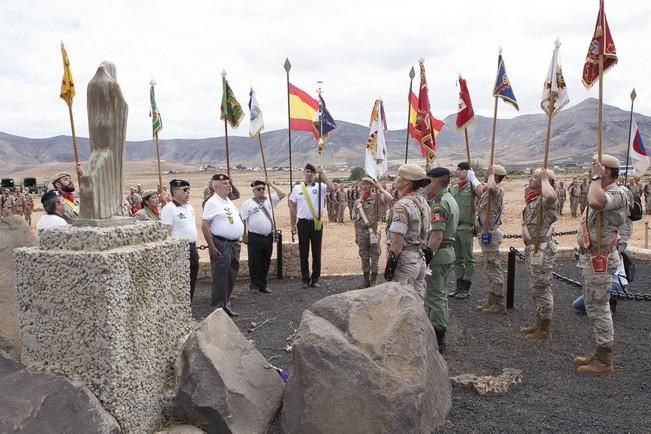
(287, 67)
(228, 159)
(320, 149)
(628, 147)
(160, 176)
(266, 180)
(75, 150)
(488, 207)
(412, 74)
(545, 163)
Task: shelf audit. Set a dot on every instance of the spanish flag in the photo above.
(67, 84)
(302, 110)
(437, 125)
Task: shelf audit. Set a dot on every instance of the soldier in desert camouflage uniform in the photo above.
(607, 198)
(583, 198)
(341, 197)
(561, 192)
(7, 202)
(29, 207)
(575, 193)
(541, 197)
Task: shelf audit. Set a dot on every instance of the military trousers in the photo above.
(540, 279)
(492, 263)
(224, 270)
(411, 270)
(596, 293)
(464, 264)
(259, 250)
(341, 211)
(561, 203)
(574, 205)
(436, 296)
(368, 253)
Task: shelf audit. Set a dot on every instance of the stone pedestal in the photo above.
(107, 307)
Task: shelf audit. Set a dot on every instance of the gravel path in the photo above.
(551, 398)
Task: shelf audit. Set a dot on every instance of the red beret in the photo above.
(221, 177)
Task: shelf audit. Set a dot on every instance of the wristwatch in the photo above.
(596, 177)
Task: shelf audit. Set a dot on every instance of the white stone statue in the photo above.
(101, 186)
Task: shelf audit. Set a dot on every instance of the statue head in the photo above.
(109, 67)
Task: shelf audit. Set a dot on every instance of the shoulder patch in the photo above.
(399, 210)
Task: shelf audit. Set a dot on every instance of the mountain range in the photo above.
(519, 142)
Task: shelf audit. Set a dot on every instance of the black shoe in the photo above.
(266, 291)
(613, 305)
(440, 339)
(230, 312)
(456, 291)
(315, 284)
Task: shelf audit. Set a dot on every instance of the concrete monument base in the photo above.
(107, 307)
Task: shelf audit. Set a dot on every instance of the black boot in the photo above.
(457, 290)
(440, 339)
(465, 289)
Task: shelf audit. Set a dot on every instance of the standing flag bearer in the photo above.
(376, 147)
(231, 114)
(605, 214)
(67, 94)
(157, 125)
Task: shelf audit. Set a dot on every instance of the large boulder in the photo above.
(366, 361)
(14, 232)
(42, 403)
(223, 384)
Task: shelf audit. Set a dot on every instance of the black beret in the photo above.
(257, 182)
(464, 165)
(176, 183)
(49, 195)
(221, 177)
(438, 171)
(308, 166)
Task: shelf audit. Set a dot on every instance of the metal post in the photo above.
(279, 254)
(646, 235)
(510, 279)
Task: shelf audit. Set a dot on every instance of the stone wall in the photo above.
(107, 307)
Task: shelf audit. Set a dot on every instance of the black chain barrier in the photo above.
(555, 234)
(625, 296)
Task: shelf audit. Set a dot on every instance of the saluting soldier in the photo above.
(490, 235)
(464, 265)
(541, 197)
(366, 216)
(561, 193)
(575, 193)
(444, 221)
(583, 199)
(409, 229)
(607, 198)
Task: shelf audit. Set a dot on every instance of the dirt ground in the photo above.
(339, 254)
(552, 396)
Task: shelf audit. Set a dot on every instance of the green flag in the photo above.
(231, 109)
(156, 119)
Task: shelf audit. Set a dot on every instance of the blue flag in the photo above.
(503, 87)
(323, 120)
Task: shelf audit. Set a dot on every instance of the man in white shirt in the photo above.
(222, 228)
(178, 216)
(53, 206)
(305, 212)
(257, 216)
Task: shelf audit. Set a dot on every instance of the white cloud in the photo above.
(361, 50)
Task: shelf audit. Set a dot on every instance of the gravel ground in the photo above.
(552, 396)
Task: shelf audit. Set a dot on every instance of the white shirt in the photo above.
(48, 221)
(255, 217)
(181, 219)
(224, 218)
(302, 210)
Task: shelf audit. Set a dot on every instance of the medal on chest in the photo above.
(229, 215)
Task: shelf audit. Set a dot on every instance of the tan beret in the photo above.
(607, 160)
(499, 170)
(412, 172)
(368, 179)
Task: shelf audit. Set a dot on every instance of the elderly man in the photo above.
(367, 212)
(62, 182)
(599, 259)
(222, 228)
(178, 216)
(540, 249)
(53, 206)
(305, 218)
(445, 219)
(257, 215)
(149, 210)
(409, 229)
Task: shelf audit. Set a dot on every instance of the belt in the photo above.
(260, 235)
(446, 243)
(224, 239)
(306, 220)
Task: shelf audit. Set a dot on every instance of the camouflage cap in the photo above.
(412, 172)
(607, 160)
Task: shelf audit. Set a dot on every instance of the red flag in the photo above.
(437, 125)
(466, 114)
(602, 44)
(423, 116)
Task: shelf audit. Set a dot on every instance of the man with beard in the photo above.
(62, 182)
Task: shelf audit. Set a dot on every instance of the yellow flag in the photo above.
(67, 84)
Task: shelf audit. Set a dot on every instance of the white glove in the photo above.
(473, 179)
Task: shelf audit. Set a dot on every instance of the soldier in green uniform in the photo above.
(444, 218)
(464, 265)
(366, 216)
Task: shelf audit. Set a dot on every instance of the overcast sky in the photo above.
(360, 49)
